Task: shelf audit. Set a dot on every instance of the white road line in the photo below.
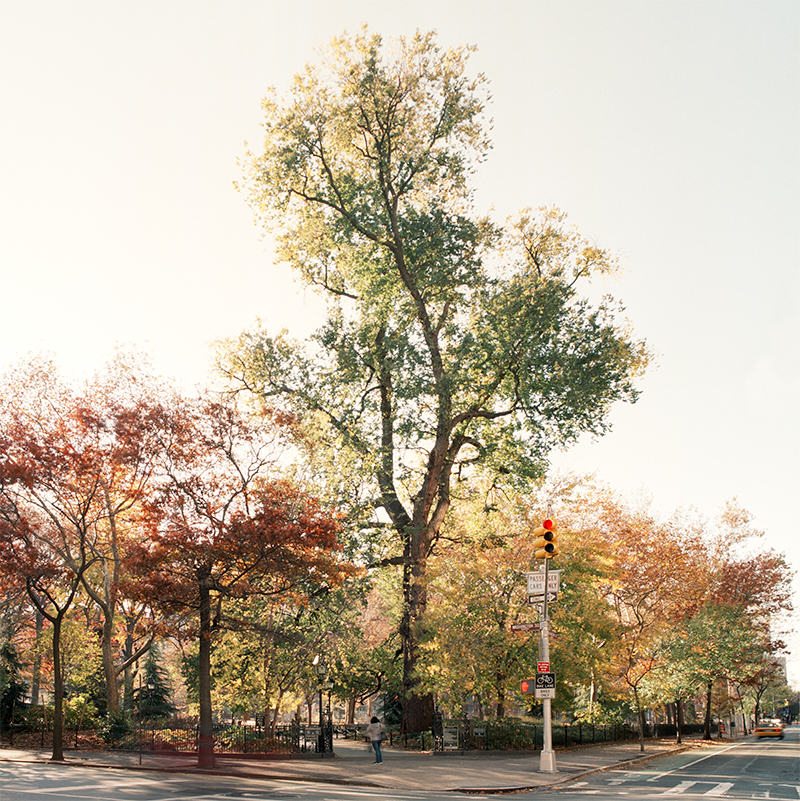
(689, 765)
(107, 784)
(682, 787)
(46, 791)
(218, 794)
(369, 792)
(719, 789)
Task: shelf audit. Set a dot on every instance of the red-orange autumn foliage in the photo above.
(69, 463)
(219, 527)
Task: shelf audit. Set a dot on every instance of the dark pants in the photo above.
(376, 745)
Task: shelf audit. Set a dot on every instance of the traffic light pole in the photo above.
(547, 758)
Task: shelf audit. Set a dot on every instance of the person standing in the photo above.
(375, 734)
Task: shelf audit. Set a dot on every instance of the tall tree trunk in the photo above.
(273, 723)
(679, 720)
(351, 710)
(417, 707)
(205, 744)
(266, 665)
(500, 688)
(108, 608)
(640, 717)
(757, 706)
(707, 719)
(36, 677)
(58, 693)
(128, 675)
(109, 667)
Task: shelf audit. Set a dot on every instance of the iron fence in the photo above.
(178, 737)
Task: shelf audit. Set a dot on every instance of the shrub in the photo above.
(114, 727)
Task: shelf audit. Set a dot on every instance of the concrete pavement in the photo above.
(489, 772)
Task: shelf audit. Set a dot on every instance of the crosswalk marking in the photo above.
(682, 787)
(719, 789)
(690, 764)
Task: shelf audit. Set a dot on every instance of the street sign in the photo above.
(450, 738)
(542, 667)
(526, 627)
(545, 685)
(536, 582)
(538, 599)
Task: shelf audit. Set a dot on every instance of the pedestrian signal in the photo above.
(528, 686)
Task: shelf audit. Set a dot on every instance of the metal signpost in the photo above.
(543, 589)
(547, 759)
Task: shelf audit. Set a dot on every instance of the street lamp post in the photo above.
(322, 672)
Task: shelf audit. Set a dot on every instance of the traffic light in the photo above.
(527, 686)
(546, 544)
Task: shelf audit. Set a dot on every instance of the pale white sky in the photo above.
(668, 130)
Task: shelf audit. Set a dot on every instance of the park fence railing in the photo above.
(177, 737)
(240, 739)
(507, 735)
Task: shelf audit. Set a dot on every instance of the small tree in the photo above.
(154, 699)
(12, 687)
(220, 529)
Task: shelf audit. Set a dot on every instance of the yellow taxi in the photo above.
(769, 728)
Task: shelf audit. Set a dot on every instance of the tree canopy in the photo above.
(450, 340)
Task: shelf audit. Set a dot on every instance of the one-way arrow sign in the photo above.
(538, 599)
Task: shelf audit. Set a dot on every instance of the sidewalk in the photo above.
(401, 770)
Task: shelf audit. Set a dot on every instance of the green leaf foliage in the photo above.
(451, 341)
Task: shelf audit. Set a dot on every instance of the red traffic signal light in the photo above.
(546, 543)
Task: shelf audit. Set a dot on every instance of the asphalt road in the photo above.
(747, 770)
(42, 782)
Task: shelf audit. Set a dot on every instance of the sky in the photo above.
(668, 130)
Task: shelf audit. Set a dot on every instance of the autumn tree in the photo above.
(63, 457)
(450, 340)
(106, 436)
(651, 586)
(127, 414)
(222, 527)
(747, 587)
(50, 503)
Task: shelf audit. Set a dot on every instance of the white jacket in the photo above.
(375, 731)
